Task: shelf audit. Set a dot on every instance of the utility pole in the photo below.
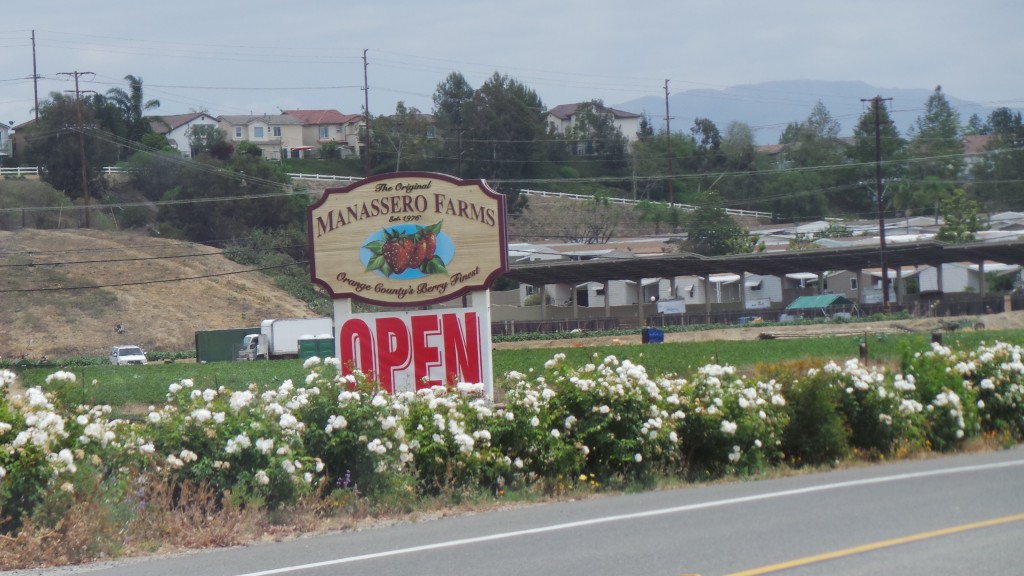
(35, 76)
(668, 150)
(81, 139)
(876, 104)
(460, 130)
(368, 151)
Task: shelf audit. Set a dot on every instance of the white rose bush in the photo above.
(330, 437)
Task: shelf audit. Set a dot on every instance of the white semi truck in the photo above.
(280, 338)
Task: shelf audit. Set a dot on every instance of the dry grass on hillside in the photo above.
(168, 290)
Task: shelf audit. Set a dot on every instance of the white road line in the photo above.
(636, 515)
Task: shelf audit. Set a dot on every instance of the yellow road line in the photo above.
(878, 546)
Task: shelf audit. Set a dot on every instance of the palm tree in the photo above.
(134, 108)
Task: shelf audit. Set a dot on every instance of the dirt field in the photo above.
(63, 293)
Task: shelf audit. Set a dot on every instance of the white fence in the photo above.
(16, 172)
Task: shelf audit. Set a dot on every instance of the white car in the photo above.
(121, 355)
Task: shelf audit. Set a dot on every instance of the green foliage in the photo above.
(34, 204)
(246, 148)
(960, 220)
(816, 434)
(56, 144)
(258, 193)
(712, 232)
(594, 134)
(209, 140)
(329, 150)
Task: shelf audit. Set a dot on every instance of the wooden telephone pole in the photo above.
(876, 104)
(81, 140)
(368, 152)
(668, 152)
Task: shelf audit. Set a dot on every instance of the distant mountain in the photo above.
(769, 106)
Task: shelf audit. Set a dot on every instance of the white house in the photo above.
(177, 128)
(563, 117)
(5, 141)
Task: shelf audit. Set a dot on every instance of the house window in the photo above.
(277, 131)
(325, 133)
(238, 131)
(599, 291)
(257, 132)
(853, 283)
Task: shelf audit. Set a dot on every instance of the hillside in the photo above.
(161, 291)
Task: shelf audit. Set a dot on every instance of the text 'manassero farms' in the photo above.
(409, 240)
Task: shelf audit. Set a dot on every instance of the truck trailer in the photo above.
(279, 338)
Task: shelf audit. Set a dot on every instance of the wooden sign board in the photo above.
(407, 239)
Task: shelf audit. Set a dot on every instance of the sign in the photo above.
(759, 304)
(407, 239)
(409, 350)
(673, 306)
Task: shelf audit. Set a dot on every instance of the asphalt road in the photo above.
(955, 515)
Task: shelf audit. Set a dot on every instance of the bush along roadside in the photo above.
(336, 442)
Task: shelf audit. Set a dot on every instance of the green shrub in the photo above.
(816, 433)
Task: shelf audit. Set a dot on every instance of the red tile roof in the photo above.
(322, 116)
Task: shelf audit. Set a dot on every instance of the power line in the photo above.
(146, 282)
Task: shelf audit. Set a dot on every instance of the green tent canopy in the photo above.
(827, 304)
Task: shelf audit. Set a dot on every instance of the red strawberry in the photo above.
(426, 244)
(398, 252)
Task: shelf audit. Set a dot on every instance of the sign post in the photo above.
(410, 240)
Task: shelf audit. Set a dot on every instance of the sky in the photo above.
(261, 57)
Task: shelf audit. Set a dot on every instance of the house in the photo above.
(562, 118)
(18, 138)
(322, 126)
(6, 148)
(277, 135)
(177, 128)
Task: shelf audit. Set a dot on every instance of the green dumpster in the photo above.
(307, 348)
(325, 347)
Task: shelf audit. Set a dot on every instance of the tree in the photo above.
(55, 143)
(450, 100)
(936, 150)
(253, 197)
(707, 159)
(594, 133)
(506, 121)
(650, 167)
(451, 97)
(712, 232)
(403, 140)
(976, 126)
(206, 139)
(738, 158)
(592, 221)
(960, 221)
(813, 143)
(860, 197)
(999, 172)
(134, 107)
(646, 131)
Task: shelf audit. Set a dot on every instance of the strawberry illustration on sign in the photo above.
(400, 249)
